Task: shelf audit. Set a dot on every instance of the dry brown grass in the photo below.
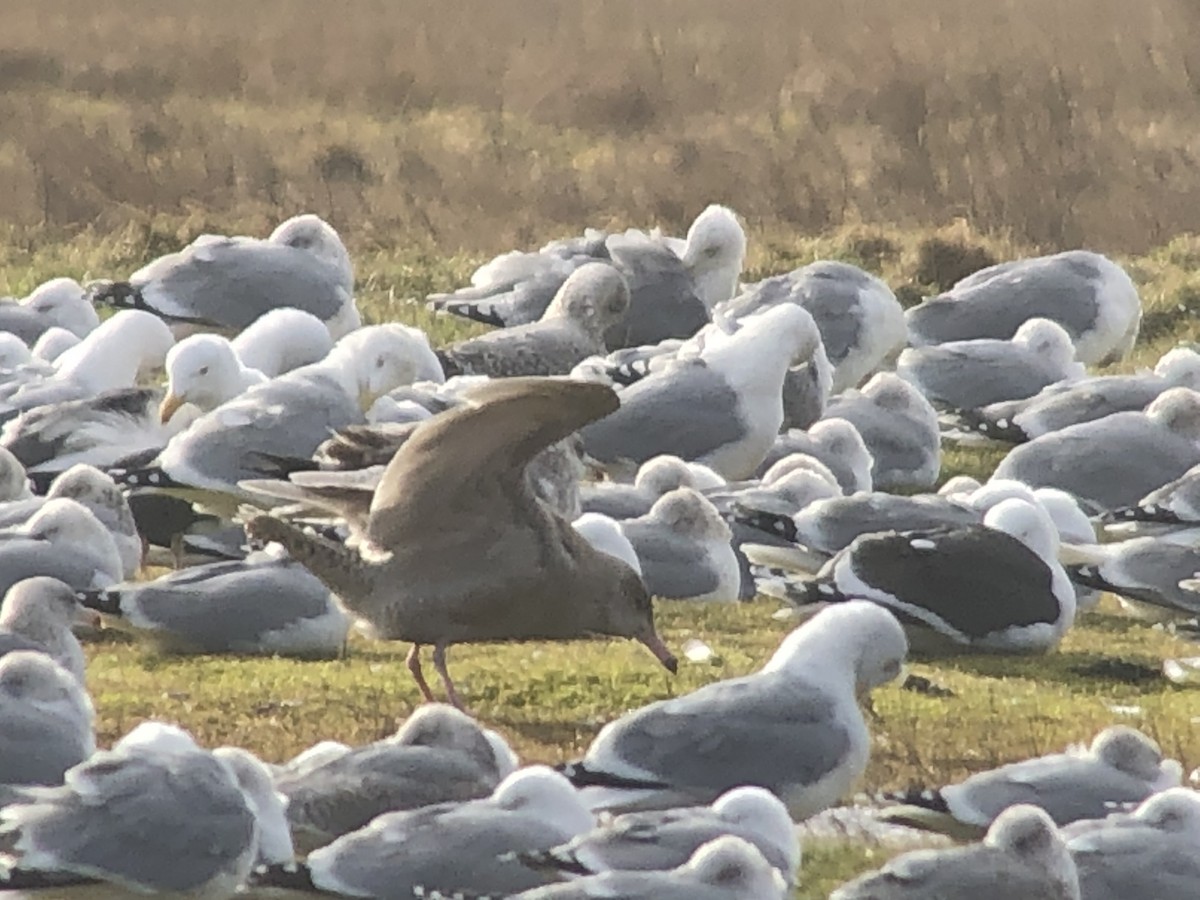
(479, 125)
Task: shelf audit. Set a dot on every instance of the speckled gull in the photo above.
(860, 320)
(63, 540)
(229, 282)
(834, 442)
(1023, 857)
(655, 478)
(37, 614)
(793, 727)
(973, 374)
(1088, 294)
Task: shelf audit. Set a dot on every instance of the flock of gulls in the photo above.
(638, 424)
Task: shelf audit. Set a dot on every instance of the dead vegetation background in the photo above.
(483, 125)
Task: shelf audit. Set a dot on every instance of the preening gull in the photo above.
(126, 346)
(973, 374)
(793, 727)
(37, 613)
(265, 603)
(154, 814)
(835, 443)
(1114, 461)
(470, 847)
(1069, 403)
(670, 293)
(727, 868)
(281, 340)
(229, 282)
(456, 491)
(663, 840)
(1158, 572)
(54, 342)
(1148, 853)
(860, 320)
(993, 587)
(205, 371)
(1023, 857)
(656, 477)
(684, 550)
(722, 408)
(60, 302)
(287, 417)
(1087, 294)
(45, 721)
(1122, 766)
(571, 329)
(439, 755)
(899, 427)
(63, 540)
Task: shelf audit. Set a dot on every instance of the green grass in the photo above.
(550, 700)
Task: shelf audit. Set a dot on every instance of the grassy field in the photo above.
(921, 140)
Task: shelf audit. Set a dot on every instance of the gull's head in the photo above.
(1128, 750)
(14, 482)
(130, 344)
(202, 370)
(97, 491)
(29, 676)
(380, 358)
(1047, 339)
(314, 235)
(731, 864)
(281, 340)
(959, 486)
(1028, 833)
(605, 535)
(64, 302)
(269, 806)
(803, 462)
(787, 330)
(858, 632)
(761, 812)
(156, 737)
(689, 513)
(42, 609)
(1178, 410)
(663, 473)
(442, 726)
(996, 491)
(595, 295)
(1028, 523)
(1179, 367)
(889, 391)
(714, 252)
(53, 343)
(13, 351)
(545, 795)
(1071, 522)
(802, 487)
(1175, 810)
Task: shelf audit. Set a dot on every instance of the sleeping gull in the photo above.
(973, 374)
(835, 443)
(45, 722)
(286, 417)
(670, 293)
(14, 482)
(571, 329)
(154, 814)
(1069, 403)
(60, 302)
(13, 353)
(1121, 766)
(63, 540)
(229, 282)
(264, 604)
(655, 478)
(683, 547)
(449, 847)
(439, 755)
(899, 427)
(1087, 294)
(793, 727)
(1114, 461)
(727, 868)
(281, 340)
(663, 840)
(456, 491)
(605, 534)
(1150, 852)
(722, 408)
(1022, 858)
(994, 587)
(37, 613)
(54, 342)
(115, 355)
(860, 320)
(1145, 570)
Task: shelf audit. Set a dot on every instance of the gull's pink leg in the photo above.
(439, 663)
(414, 666)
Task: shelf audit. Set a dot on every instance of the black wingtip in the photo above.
(581, 776)
(39, 482)
(119, 294)
(290, 876)
(776, 524)
(925, 798)
(997, 429)
(485, 315)
(556, 861)
(629, 373)
(19, 879)
(149, 477)
(1150, 513)
(107, 602)
(449, 366)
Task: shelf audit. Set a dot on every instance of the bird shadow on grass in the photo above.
(1080, 670)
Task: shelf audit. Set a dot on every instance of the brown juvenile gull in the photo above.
(456, 493)
(571, 329)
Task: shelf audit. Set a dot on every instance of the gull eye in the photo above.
(710, 252)
(203, 370)
(379, 363)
